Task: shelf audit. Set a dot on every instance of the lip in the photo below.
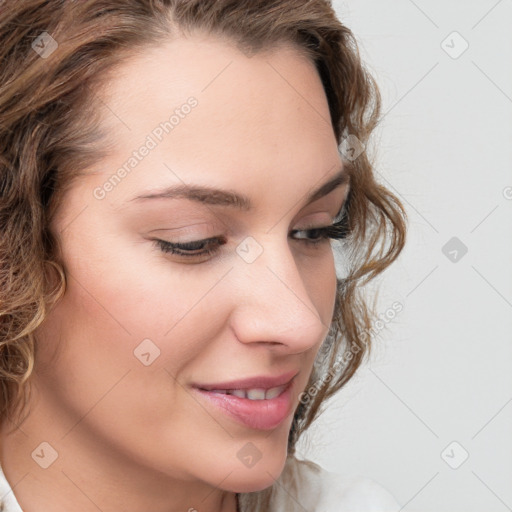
(263, 381)
(264, 414)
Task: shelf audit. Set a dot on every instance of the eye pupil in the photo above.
(315, 233)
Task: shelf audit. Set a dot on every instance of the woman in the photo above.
(172, 187)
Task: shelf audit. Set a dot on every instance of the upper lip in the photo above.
(259, 382)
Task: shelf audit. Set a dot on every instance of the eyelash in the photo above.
(338, 230)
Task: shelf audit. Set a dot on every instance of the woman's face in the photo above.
(120, 357)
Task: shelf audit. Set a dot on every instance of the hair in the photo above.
(49, 135)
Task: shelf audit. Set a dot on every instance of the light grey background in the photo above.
(442, 369)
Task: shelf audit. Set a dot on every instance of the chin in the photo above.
(256, 478)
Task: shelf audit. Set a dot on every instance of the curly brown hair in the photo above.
(49, 135)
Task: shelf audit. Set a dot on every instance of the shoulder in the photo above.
(357, 493)
(317, 489)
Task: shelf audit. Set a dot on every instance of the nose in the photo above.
(274, 304)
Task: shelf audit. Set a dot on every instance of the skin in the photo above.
(132, 437)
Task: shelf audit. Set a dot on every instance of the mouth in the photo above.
(254, 388)
(261, 403)
(251, 394)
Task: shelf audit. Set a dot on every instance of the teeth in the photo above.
(274, 392)
(256, 394)
(252, 394)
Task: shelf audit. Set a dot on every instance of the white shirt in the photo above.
(302, 486)
(8, 501)
(305, 486)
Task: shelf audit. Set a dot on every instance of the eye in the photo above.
(201, 248)
(337, 230)
(311, 236)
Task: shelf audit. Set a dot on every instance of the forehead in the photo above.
(258, 117)
(219, 75)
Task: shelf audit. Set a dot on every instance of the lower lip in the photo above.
(256, 414)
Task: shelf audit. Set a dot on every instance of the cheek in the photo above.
(94, 366)
(320, 280)
(134, 314)
(128, 290)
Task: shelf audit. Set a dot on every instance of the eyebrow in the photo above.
(219, 197)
